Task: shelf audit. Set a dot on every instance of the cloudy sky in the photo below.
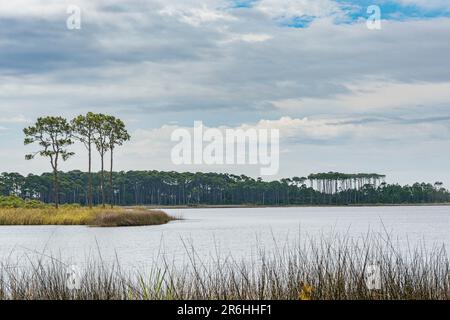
(345, 98)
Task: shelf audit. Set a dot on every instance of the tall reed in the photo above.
(316, 268)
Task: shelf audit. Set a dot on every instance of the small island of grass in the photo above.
(15, 211)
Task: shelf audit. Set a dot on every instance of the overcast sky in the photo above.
(344, 97)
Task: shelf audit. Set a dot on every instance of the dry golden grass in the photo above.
(69, 215)
(134, 217)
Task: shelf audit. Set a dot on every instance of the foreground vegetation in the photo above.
(15, 211)
(320, 269)
(174, 188)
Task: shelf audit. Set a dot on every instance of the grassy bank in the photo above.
(320, 269)
(73, 215)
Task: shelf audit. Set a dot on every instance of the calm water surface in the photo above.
(224, 230)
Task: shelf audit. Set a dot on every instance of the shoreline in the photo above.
(127, 216)
(293, 206)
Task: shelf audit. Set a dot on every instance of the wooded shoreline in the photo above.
(159, 188)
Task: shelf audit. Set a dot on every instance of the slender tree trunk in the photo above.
(56, 187)
(90, 174)
(111, 192)
(103, 181)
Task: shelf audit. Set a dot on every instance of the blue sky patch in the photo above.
(354, 10)
(300, 22)
(243, 3)
(390, 10)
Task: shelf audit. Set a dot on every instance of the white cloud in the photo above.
(312, 144)
(32, 8)
(156, 62)
(14, 119)
(301, 131)
(376, 96)
(351, 130)
(247, 37)
(288, 9)
(195, 16)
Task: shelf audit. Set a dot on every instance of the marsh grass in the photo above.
(75, 215)
(316, 269)
(135, 217)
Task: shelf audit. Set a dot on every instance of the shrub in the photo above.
(17, 202)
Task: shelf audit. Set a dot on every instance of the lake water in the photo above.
(238, 231)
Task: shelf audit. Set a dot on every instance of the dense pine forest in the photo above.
(104, 133)
(173, 188)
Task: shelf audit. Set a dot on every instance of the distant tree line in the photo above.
(173, 188)
(55, 135)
